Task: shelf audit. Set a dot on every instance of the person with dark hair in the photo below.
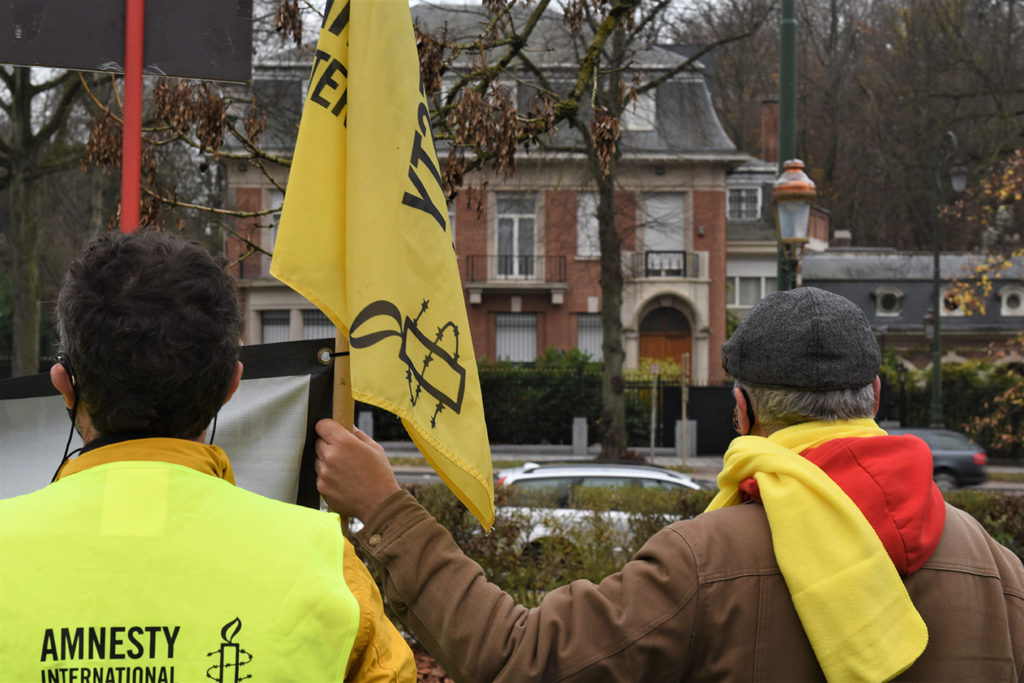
(143, 561)
(828, 553)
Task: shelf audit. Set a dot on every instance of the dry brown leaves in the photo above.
(255, 122)
(604, 133)
(432, 64)
(104, 145)
(488, 121)
(427, 668)
(186, 107)
(288, 21)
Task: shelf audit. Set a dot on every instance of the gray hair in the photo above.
(779, 408)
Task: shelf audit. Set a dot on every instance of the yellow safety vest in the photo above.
(151, 571)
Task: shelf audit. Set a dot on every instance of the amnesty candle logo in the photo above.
(231, 656)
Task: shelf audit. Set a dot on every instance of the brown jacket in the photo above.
(703, 600)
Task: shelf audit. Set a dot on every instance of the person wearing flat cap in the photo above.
(828, 553)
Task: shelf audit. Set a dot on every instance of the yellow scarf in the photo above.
(849, 597)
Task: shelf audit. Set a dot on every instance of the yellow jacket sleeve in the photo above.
(380, 653)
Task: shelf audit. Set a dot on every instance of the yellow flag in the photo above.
(364, 235)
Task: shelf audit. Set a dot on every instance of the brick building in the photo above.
(527, 244)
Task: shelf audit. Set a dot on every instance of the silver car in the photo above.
(564, 478)
(541, 495)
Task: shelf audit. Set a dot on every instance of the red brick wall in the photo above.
(709, 214)
(557, 323)
(625, 218)
(471, 240)
(246, 199)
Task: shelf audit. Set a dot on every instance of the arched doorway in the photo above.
(665, 333)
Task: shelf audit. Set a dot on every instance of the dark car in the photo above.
(958, 461)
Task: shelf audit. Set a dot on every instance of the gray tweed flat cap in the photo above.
(804, 338)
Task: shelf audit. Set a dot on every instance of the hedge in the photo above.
(594, 547)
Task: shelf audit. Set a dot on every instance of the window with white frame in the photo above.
(588, 244)
(316, 325)
(275, 326)
(270, 222)
(664, 233)
(515, 337)
(744, 203)
(517, 221)
(1011, 301)
(888, 302)
(747, 290)
(642, 114)
(590, 335)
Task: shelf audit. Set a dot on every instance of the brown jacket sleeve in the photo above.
(636, 625)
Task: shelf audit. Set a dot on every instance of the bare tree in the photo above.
(40, 135)
(476, 120)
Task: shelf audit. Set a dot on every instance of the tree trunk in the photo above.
(24, 278)
(612, 425)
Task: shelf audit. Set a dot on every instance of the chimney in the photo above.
(770, 130)
(842, 238)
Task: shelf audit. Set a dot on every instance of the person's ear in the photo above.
(61, 381)
(877, 385)
(743, 412)
(236, 379)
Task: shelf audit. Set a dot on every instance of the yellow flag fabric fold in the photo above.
(850, 599)
(365, 236)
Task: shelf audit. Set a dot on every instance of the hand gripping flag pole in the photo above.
(364, 235)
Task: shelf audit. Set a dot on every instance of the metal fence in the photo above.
(537, 407)
(499, 267)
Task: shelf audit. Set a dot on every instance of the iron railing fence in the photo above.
(535, 406)
(654, 264)
(505, 267)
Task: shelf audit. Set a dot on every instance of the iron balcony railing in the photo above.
(667, 264)
(502, 267)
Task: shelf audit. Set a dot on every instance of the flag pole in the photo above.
(131, 143)
(344, 405)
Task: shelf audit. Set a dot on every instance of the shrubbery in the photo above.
(1001, 514)
(978, 398)
(593, 546)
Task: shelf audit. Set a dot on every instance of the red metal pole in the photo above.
(131, 141)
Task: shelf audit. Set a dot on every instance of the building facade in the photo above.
(894, 289)
(528, 243)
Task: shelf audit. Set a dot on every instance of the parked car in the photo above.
(564, 478)
(541, 498)
(958, 461)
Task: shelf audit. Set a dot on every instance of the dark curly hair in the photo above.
(150, 324)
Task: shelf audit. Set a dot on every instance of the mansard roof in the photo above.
(685, 124)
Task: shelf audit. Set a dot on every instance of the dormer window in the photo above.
(888, 302)
(640, 115)
(1011, 301)
(744, 203)
(951, 305)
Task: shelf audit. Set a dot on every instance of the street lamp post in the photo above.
(958, 181)
(786, 266)
(793, 194)
(901, 372)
